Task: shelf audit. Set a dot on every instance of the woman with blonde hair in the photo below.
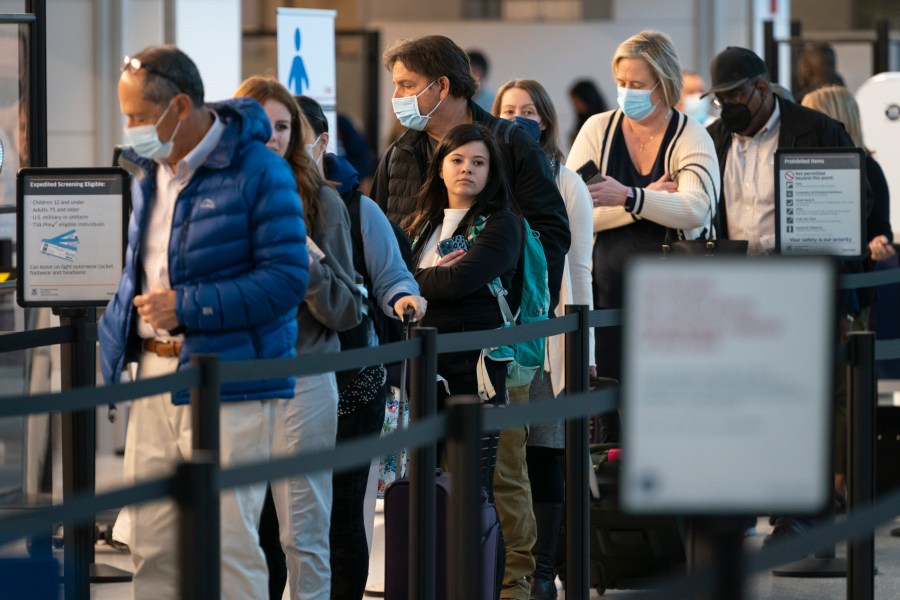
(837, 102)
(332, 303)
(660, 177)
(527, 103)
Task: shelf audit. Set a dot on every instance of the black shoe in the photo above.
(786, 527)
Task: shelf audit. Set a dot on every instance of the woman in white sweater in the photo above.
(527, 102)
(660, 178)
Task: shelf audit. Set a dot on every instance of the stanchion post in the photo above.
(464, 518)
(861, 462)
(78, 366)
(197, 495)
(205, 402)
(197, 489)
(422, 464)
(578, 582)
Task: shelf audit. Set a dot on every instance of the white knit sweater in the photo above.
(576, 281)
(691, 157)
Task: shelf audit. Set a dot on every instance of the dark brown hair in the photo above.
(432, 198)
(435, 56)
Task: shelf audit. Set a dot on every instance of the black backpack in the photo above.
(387, 329)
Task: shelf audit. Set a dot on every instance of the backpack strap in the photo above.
(507, 127)
(359, 260)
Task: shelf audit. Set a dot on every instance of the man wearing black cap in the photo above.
(754, 123)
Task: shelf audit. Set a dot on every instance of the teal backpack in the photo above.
(523, 359)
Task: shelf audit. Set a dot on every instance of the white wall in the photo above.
(86, 40)
(209, 31)
(71, 95)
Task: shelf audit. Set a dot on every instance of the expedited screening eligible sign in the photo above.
(71, 235)
(819, 196)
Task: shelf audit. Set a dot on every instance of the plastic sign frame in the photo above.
(71, 226)
(820, 196)
(728, 385)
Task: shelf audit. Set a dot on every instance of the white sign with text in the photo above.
(71, 226)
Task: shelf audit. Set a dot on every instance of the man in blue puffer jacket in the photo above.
(216, 263)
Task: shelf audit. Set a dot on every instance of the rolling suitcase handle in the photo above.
(404, 368)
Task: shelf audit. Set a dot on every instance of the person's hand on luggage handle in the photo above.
(157, 308)
(610, 192)
(880, 248)
(418, 304)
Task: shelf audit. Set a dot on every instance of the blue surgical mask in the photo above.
(144, 139)
(531, 127)
(407, 110)
(635, 103)
(696, 107)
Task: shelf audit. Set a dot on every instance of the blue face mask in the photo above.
(635, 103)
(531, 127)
(407, 110)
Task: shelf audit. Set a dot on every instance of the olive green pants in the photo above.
(512, 495)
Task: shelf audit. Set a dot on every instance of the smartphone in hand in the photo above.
(457, 242)
(590, 173)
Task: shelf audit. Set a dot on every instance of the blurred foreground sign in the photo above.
(727, 385)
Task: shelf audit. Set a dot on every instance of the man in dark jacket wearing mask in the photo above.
(433, 94)
(754, 123)
(433, 89)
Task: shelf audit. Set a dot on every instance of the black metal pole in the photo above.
(796, 47)
(37, 108)
(578, 581)
(881, 60)
(464, 518)
(861, 462)
(728, 541)
(197, 491)
(422, 464)
(197, 495)
(78, 369)
(770, 49)
(372, 108)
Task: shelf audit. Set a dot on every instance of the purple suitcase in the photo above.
(396, 541)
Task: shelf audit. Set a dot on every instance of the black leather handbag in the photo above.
(704, 247)
(710, 246)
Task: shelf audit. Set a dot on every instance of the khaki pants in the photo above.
(159, 437)
(512, 495)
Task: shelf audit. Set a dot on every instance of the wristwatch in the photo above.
(629, 200)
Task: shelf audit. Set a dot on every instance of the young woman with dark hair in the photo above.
(466, 188)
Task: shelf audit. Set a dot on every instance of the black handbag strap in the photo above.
(695, 168)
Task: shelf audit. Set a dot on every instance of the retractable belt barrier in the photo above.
(425, 431)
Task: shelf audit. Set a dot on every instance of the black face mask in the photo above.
(737, 117)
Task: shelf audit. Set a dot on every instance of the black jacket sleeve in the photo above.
(535, 192)
(879, 221)
(495, 253)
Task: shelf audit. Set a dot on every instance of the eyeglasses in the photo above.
(733, 96)
(134, 65)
